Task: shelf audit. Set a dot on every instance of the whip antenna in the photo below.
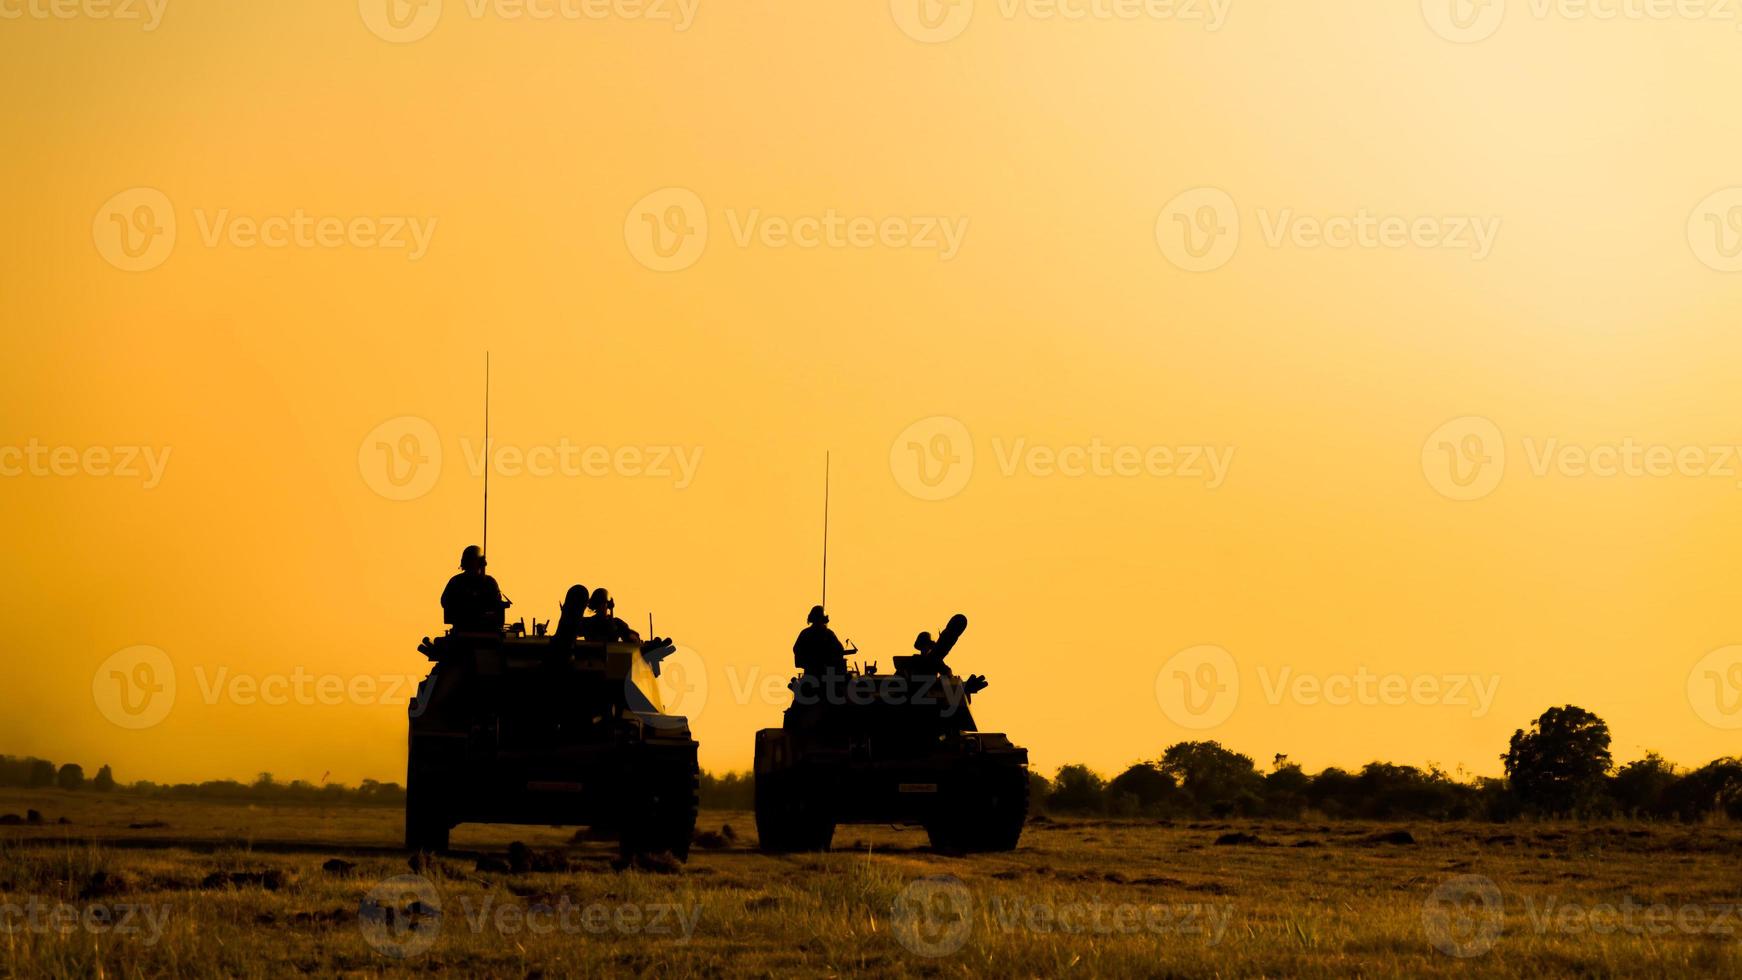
(485, 547)
(826, 530)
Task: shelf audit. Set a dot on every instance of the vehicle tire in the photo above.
(677, 809)
(661, 816)
(1006, 811)
(773, 829)
(426, 817)
(945, 834)
(426, 824)
(788, 819)
(986, 814)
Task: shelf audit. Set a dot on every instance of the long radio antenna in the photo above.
(826, 530)
(485, 547)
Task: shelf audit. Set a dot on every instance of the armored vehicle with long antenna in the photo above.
(862, 747)
(856, 746)
(561, 729)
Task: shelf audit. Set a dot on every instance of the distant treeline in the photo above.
(1560, 766)
(41, 773)
(1180, 787)
(1195, 780)
(731, 791)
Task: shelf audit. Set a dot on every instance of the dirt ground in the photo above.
(128, 887)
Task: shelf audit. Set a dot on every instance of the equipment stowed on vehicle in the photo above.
(519, 729)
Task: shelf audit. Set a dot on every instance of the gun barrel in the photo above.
(947, 639)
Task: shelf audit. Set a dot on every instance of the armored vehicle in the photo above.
(510, 728)
(863, 747)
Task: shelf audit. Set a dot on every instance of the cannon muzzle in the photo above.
(947, 639)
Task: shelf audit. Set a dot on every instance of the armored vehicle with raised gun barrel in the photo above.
(511, 728)
(863, 747)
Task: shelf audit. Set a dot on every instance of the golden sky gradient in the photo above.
(1542, 248)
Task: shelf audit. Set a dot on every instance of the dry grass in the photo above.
(1134, 898)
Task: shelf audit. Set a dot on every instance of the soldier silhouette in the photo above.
(568, 625)
(604, 626)
(472, 602)
(818, 650)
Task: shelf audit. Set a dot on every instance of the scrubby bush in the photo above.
(1077, 789)
(1216, 780)
(1713, 790)
(1642, 788)
(1143, 789)
(70, 776)
(1558, 766)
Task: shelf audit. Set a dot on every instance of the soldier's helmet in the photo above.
(472, 557)
(600, 602)
(923, 643)
(817, 617)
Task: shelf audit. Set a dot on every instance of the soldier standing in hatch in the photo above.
(604, 626)
(573, 607)
(817, 650)
(472, 602)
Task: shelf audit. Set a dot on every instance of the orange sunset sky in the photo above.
(1389, 349)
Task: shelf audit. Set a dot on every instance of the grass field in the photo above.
(133, 888)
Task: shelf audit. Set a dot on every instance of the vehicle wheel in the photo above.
(1006, 811)
(944, 834)
(987, 815)
(773, 834)
(789, 819)
(426, 825)
(676, 814)
(426, 817)
(662, 818)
